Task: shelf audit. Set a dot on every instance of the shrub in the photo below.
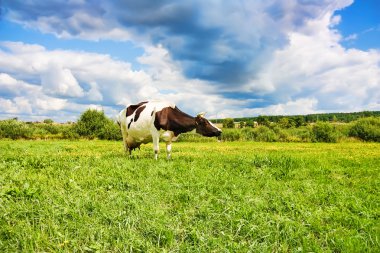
(70, 133)
(263, 120)
(110, 131)
(38, 132)
(367, 129)
(48, 121)
(95, 124)
(228, 123)
(248, 134)
(304, 134)
(264, 133)
(194, 137)
(282, 134)
(231, 134)
(91, 123)
(324, 132)
(14, 129)
(52, 129)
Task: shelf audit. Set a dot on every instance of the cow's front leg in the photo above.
(126, 148)
(169, 150)
(156, 146)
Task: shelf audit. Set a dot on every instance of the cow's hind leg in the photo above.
(130, 152)
(156, 146)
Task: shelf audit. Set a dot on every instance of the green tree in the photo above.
(299, 121)
(325, 132)
(95, 124)
(367, 129)
(48, 121)
(263, 120)
(228, 123)
(284, 122)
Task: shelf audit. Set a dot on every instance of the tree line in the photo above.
(301, 120)
(94, 124)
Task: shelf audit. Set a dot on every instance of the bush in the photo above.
(248, 134)
(367, 129)
(110, 131)
(52, 129)
(194, 137)
(228, 123)
(94, 124)
(324, 132)
(231, 134)
(304, 134)
(48, 121)
(264, 133)
(261, 133)
(91, 123)
(70, 133)
(14, 129)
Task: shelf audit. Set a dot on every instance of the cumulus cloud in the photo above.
(317, 64)
(78, 80)
(70, 73)
(296, 107)
(60, 81)
(221, 41)
(21, 98)
(231, 58)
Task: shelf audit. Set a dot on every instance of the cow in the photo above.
(149, 121)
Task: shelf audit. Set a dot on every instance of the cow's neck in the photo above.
(181, 122)
(184, 124)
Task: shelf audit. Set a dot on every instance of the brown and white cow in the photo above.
(150, 121)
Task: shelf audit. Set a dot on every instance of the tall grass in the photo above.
(88, 196)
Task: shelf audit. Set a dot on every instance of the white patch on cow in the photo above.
(169, 150)
(143, 130)
(214, 126)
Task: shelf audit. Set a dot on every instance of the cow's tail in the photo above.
(119, 117)
(153, 114)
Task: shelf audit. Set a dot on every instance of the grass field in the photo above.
(87, 196)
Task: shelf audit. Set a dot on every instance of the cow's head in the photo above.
(205, 127)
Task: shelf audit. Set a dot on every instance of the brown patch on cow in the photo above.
(174, 120)
(138, 112)
(132, 108)
(129, 125)
(204, 127)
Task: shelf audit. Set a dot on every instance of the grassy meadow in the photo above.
(88, 196)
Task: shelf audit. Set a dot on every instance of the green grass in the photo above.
(87, 196)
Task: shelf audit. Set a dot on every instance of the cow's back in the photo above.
(140, 124)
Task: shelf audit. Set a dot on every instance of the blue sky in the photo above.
(361, 20)
(231, 59)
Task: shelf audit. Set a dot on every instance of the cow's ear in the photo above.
(201, 114)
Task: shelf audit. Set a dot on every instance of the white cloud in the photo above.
(71, 82)
(297, 107)
(350, 37)
(288, 53)
(26, 99)
(60, 81)
(315, 63)
(94, 94)
(13, 87)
